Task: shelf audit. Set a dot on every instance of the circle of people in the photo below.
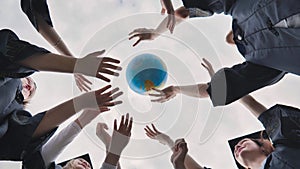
(266, 33)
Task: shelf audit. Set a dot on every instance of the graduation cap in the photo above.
(256, 135)
(85, 157)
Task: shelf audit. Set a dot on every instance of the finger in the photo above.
(117, 95)
(160, 100)
(78, 85)
(110, 66)
(109, 72)
(108, 59)
(151, 131)
(81, 77)
(157, 95)
(103, 89)
(133, 36)
(110, 104)
(149, 134)
(130, 124)
(168, 23)
(157, 90)
(109, 93)
(95, 54)
(206, 62)
(127, 119)
(154, 128)
(115, 125)
(104, 109)
(84, 85)
(204, 65)
(99, 76)
(135, 31)
(137, 42)
(122, 120)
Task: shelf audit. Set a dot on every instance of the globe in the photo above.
(145, 72)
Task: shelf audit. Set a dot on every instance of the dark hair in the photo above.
(265, 144)
(261, 138)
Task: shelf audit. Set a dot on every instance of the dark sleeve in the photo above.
(230, 84)
(12, 50)
(33, 8)
(282, 123)
(214, 6)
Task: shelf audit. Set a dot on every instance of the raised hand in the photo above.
(142, 34)
(121, 135)
(179, 154)
(157, 135)
(98, 99)
(167, 6)
(164, 95)
(207, 65)
(95, 66)
(82, 82)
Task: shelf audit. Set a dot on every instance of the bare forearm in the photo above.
(50, 62)
(112, 159)
(54, 117)
(52, 37)
(190, 163)
(252, 105)
(198, 90)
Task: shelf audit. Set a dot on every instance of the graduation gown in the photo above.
(16, 124)
(269, 51)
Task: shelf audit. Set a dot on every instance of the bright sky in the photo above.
(95, 25)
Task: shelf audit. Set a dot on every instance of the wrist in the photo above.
(112, 159)
(176, 89)
(178, 165)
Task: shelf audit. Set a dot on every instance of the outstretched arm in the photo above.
(198, 90)
(94, 100)
(91, 65)
(52, 149)
(120, 138)
(50, 34)
(153, 133)
(248, 101)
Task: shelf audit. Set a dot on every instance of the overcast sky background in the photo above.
(92, 25)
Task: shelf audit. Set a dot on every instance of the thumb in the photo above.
(95, 54)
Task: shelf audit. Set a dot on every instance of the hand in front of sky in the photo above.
(165, 94)
(142, 34)
(159, 136)
(207, 65)
(168, 6)
(121, 135)
(93, 65)
(98, 99)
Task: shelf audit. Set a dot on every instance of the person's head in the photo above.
(250, 149)
(28, 88)
(78, 163)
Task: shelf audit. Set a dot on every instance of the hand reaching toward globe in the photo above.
(164, 95)
(159, 136)
(142, 34)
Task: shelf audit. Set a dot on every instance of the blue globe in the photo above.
(144, 72)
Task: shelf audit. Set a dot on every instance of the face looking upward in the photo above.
(80, 163)
(247, 150)
(29, 88)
